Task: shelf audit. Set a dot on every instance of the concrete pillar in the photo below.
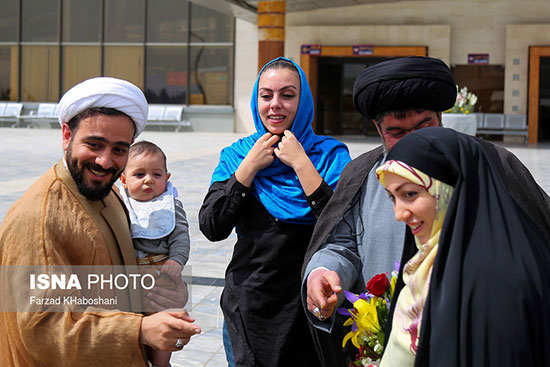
(271, 30)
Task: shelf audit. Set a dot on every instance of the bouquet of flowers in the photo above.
(368, 318)
(465, 101)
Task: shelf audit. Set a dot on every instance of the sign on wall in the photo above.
(362, 50)
(478, 59)
(312, 49)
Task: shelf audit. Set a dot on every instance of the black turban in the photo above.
(403, 83)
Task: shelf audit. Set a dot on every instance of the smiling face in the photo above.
(145, 176)
(412, 204)
(392, 129)
(278, 99)
(96, 152)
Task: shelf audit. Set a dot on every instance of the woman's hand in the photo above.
(259, 157)
(291, 153)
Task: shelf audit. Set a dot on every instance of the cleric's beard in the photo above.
(90, 192)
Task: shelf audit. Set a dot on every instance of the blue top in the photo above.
(277, 186)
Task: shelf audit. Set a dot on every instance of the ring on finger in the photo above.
(179, 343)
(317, 313)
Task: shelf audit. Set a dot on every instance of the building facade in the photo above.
(203, 54)
(177, 52)
(499, 49)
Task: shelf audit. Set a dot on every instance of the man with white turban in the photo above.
(72, 216)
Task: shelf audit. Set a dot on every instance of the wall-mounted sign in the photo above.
(312, 49)
(362, 50)
(478, 59)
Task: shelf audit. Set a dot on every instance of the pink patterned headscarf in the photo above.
(403, 342)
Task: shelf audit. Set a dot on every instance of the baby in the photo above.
(158, 223)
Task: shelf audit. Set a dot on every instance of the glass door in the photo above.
(336, 114)
(544, 101)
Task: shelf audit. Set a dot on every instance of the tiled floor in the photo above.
(27, 153)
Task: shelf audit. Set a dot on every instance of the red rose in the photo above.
(378, 284)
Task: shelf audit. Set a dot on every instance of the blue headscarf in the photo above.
(277, 186)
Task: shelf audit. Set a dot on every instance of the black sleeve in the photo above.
(521, 185)
(319, 198)
(221, 208)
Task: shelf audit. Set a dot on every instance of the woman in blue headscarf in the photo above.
(270, 187)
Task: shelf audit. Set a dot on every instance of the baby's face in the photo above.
(145, 176)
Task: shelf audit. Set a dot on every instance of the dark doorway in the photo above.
(335, 112)
(486, 82)
(544, 102)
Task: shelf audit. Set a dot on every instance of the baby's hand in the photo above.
(172, 269)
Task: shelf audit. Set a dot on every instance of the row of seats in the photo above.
(167, 115)
(47, 110)
(10, 109)
(501, 124)
(11, 113)
(46, 113)
(161, 115)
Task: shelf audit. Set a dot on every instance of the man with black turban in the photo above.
(357, 236)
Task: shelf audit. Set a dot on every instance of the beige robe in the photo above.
(53, 224)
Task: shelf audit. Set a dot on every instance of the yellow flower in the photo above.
(365, 317)
(392, 286)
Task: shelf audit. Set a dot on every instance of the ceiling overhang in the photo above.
(235, 8)
(247, 9)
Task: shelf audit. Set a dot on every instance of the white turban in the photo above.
(106, 92)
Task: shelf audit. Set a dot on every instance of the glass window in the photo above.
(166, 75)
(81, 20)
(211, 75)
(39, 20)
(167, 21)
(8, 20)
(124, 62)
(8, 73)
(80, 63)
(210, 26)
(40, 73)
(124, 20)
